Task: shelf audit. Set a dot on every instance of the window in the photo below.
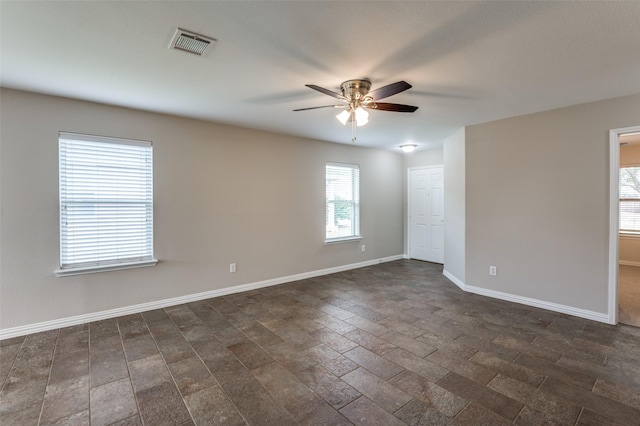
(106, 204)
(343, 202)
(630, 200)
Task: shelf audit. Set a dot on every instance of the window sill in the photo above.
(104, 268)
(626, 234)
(341, 240)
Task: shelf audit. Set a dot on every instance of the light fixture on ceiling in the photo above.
(359, 114)
(408, 147)
(362, 116)
(344, 116)
(356, 97)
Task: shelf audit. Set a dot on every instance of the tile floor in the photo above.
(629, 295)
(391, 344)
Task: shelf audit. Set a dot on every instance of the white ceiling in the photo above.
(468, 62)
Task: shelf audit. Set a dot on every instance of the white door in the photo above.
(426, 214)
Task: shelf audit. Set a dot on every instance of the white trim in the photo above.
(614, 231)
(142, 307)
(432, 166)
(556, 307)
(408, 218)
(346, 165)
(104, 268)
(582, 313)
(341, 240)
(102, 139)
(455, 280)
(354, 200)
(614, 199)
(628, 263)
(81, 159)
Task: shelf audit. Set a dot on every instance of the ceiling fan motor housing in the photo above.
(355, 89)
(356, 95)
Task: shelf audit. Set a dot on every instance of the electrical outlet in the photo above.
(363, 248)
(232, 267)
(493, 271)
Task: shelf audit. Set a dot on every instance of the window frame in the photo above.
(354, 202)
(141, 197)
(623, 200)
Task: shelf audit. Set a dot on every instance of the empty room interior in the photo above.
(328, 213)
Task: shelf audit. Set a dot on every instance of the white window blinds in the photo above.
(630, 199)
(106, 202)
(343, 201)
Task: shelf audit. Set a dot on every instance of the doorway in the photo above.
(426, 213)
(624, 231)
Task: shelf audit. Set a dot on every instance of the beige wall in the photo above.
(629, 246)
(528, 194)
(222, 194)
(537, 202)
(431, 157)
(454, 207)
(629, 250)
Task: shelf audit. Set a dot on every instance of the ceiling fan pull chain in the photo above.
(353, 130)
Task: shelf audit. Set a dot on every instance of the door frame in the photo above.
(408, 218)
(614, 201)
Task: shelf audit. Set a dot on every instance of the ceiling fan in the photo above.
(357, 98)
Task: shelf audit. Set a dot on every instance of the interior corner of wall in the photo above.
(454, 279)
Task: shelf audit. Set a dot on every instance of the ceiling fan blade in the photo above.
(384, 106)
(318, 107)
(389, 90)
(327, 91)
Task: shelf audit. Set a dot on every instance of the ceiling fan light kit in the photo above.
(362, 116)
(344, 116)
(357, 98)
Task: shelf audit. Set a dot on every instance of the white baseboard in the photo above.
(556, 307)
(454, 279)
(628, 263)
(142, 307)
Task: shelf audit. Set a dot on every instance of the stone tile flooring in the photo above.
(391, 344)
(629, 295)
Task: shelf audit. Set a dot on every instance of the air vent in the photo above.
(191, 42)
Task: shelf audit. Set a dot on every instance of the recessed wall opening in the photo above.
(624, 276)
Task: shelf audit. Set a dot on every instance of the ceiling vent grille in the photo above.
(191, 42)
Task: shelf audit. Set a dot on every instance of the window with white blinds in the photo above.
(630, 200)
(106, 204)
(343, 202)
